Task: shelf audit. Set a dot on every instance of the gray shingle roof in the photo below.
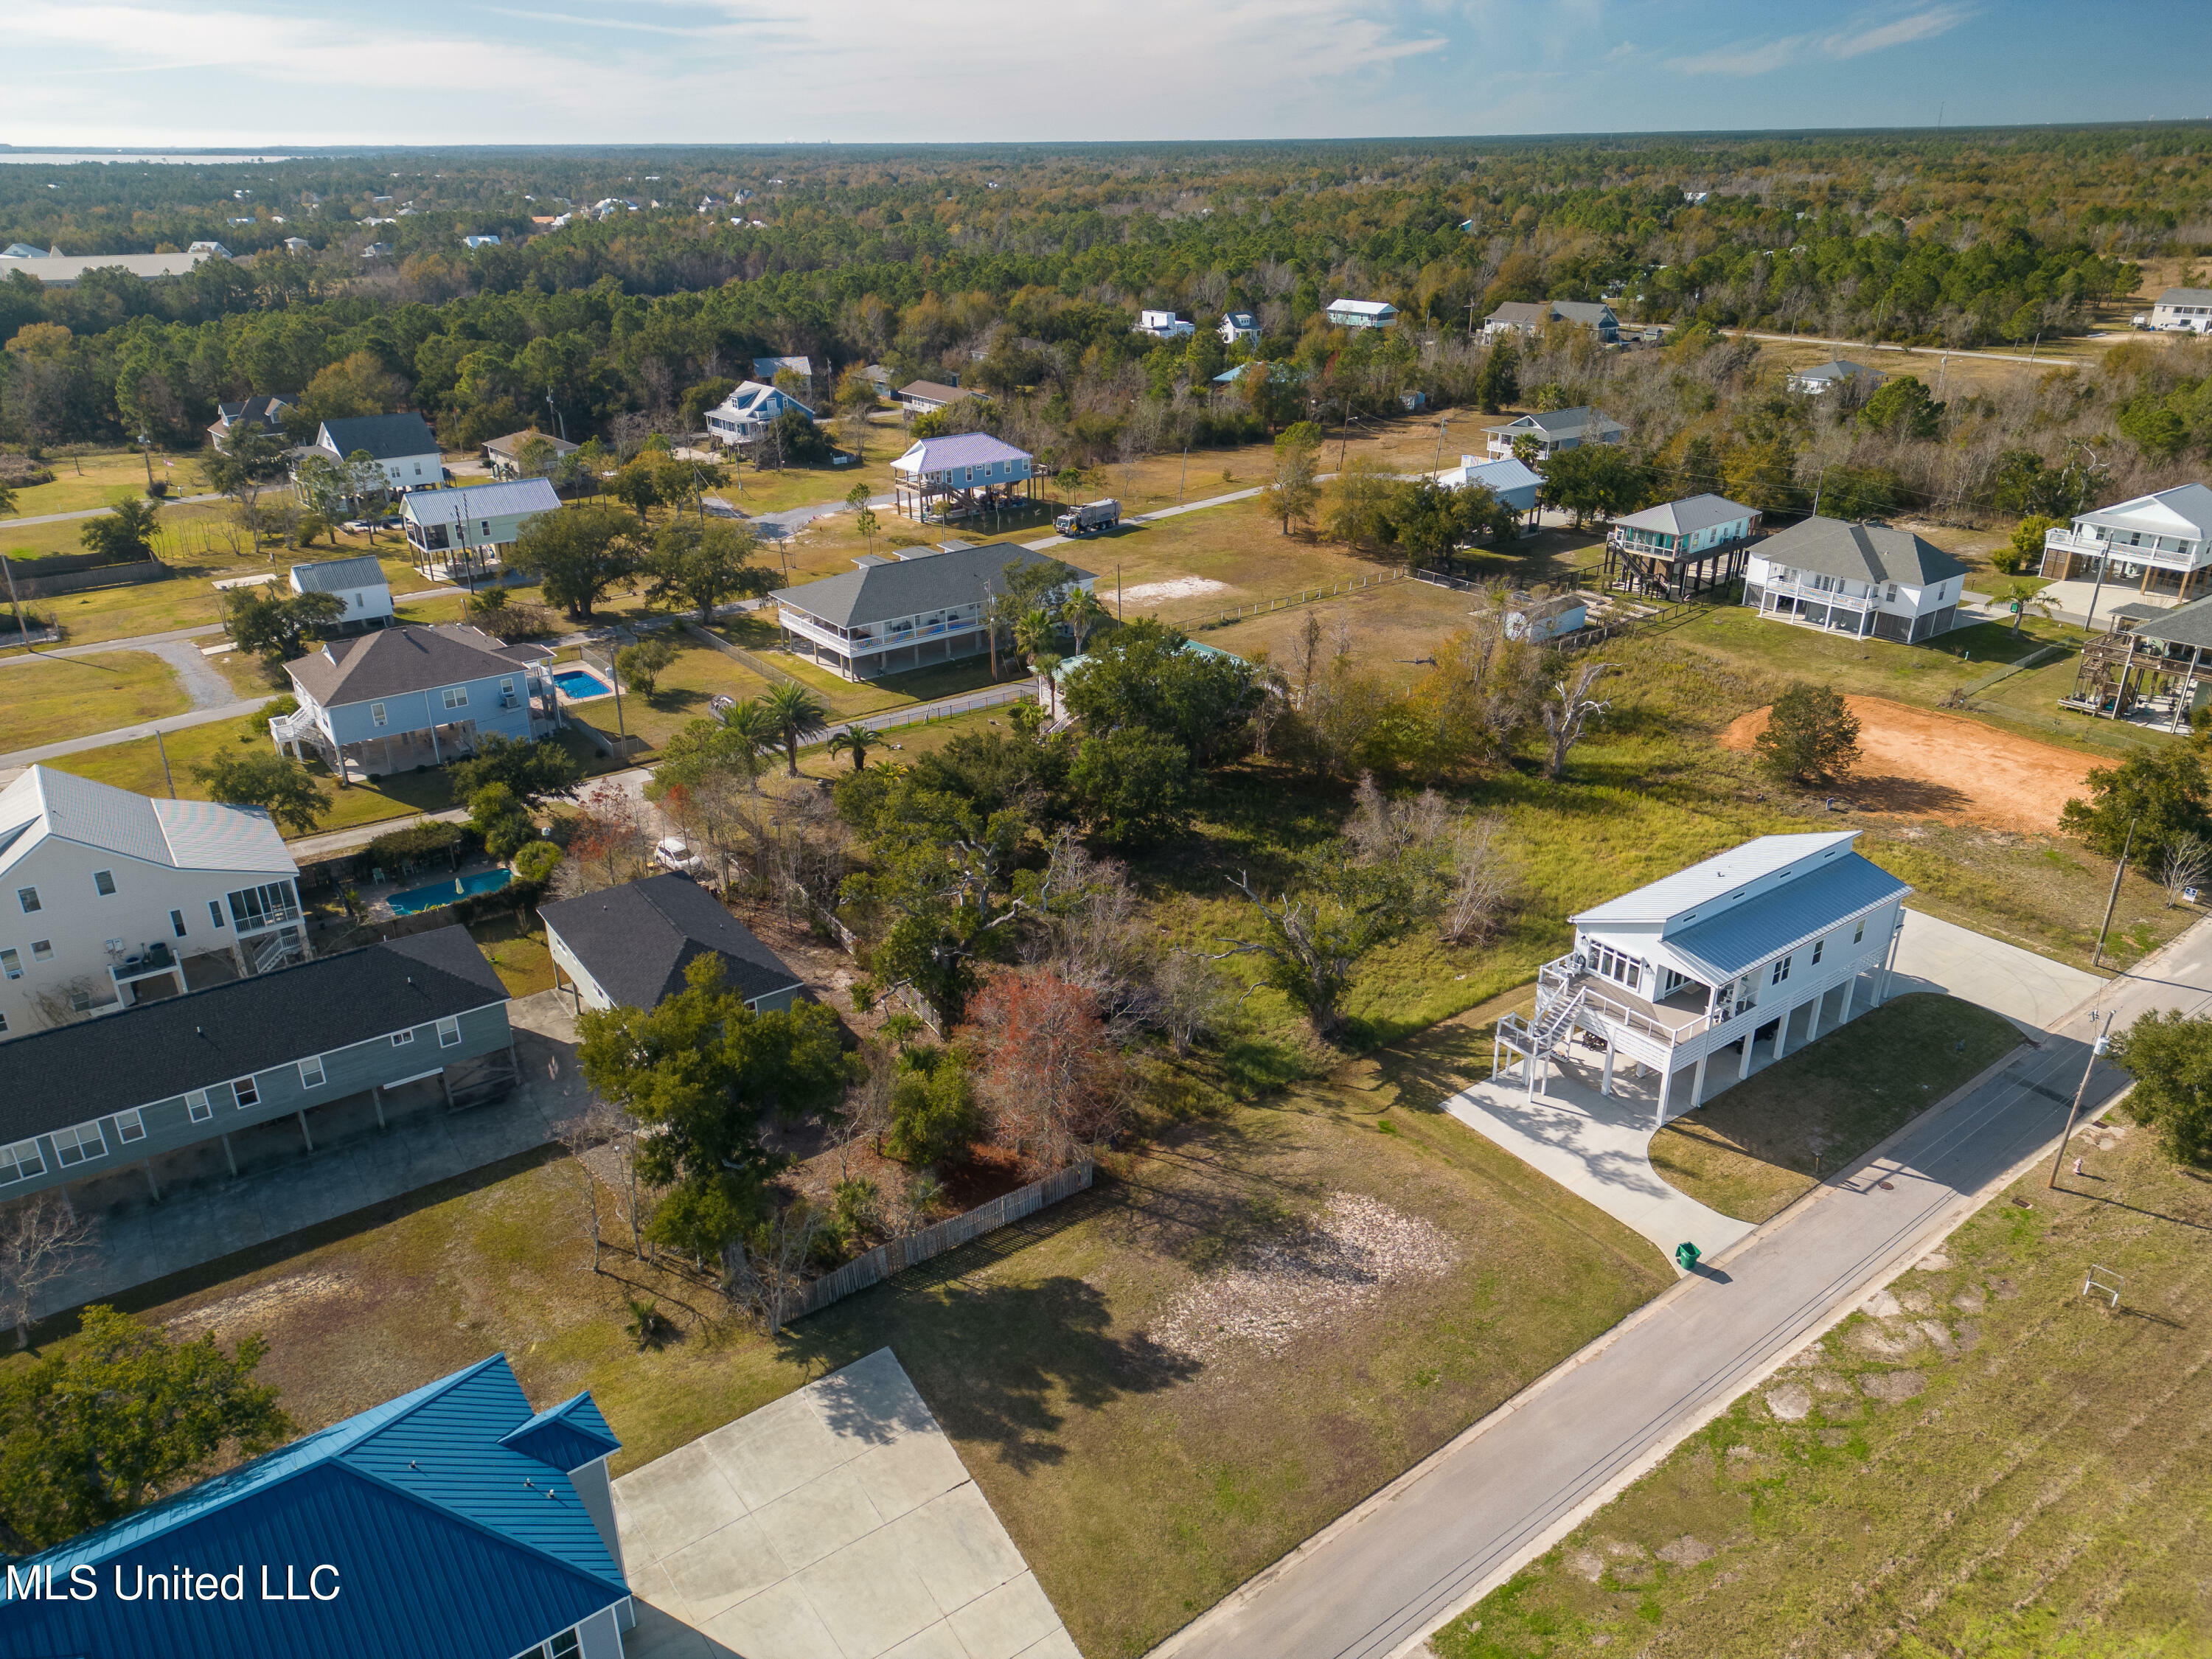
(394, 661)
(2186, 296)
(2189, 626)
(336, 575)
(929, 581)
(386, 437)
(1687, 516)
(637, 940)
(158, 1050)
(1860, 553)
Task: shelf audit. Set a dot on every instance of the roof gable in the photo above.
(509, 498)
(1768, 923)
(1689, 895)
(335, 575)
(961, 449)
(565, 1437)
(181, 835)
(1687, 516)
(2184, 511)
(386, 437)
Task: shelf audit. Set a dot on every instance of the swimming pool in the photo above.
(447, 892)
(576, 685)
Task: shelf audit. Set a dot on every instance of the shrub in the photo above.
(534, 863)
(414, 844)
(2025, 550)
(1811, 737)
(934, 1117)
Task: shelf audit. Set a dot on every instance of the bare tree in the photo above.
(1191, 999)
(40, 1239)
(1480, 886)
(763, 1272)
(1568, 710)
(599, 1127)
(2183, 865)
(67, 1003)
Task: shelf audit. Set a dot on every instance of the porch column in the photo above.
(1813, 1019)
(1666, 1083)
(230, 1154)
(148, 1166)
(1697, 1084)
(1882, 986)
(1850, 995)
(1605, 1081)
(304, 1135)
(1750, 1037)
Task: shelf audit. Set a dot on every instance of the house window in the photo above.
(11, 964)
(376, 714)
(103, 883)
(486, 526)
(1621, 969)
(215, 913)
(28, 898)
(563, 1646)
(21, 1162)
(42, 950)
(248, 1092)
(1859, 933)
(75, 1145)
(401, 1039)
(129, 1126)
(449, 1033)
(263, 907)
(457, 697)
(311, 1072)
(1818, 945)
(176, 923)
(197, 1107)
(1781, 971)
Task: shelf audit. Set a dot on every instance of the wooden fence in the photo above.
(845, 936)
(885, 1260)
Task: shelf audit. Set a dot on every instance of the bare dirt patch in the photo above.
(1182, 587)
(1918, 763)
(250, 1310)
(1307, 1278)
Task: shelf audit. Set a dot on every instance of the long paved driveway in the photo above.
(1449, 1531)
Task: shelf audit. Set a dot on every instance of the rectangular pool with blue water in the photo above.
(448, 892)
(578, 686)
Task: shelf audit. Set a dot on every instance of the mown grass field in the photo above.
(1141, 1481)
(1757, 1147)
(76, 696)
(1985, 1463)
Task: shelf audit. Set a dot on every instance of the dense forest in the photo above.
(1019, 270)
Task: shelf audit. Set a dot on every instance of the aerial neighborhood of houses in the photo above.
(797, 940)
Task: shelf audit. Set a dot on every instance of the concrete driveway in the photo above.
(837, 1522)
(2033, 992)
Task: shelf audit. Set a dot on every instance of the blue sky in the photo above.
(257, 72)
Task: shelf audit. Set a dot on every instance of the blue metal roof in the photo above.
(446, 1543)
(1771, 923)
(565, 1437)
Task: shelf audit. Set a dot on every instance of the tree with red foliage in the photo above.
(1045, 1072)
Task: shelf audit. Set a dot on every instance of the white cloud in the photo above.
(1764, 57)
(1922, 26)
(1745, 59)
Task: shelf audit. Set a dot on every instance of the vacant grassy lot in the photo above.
(1986, 1464)
(90, 480)
(1145, 1459)
(1768, 1139)
(75, 696)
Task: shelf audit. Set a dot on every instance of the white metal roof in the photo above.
(961, 449)
(1687, 516)
(1363, 307)
(2184, 511)
(490, 501)
(1680, 896)
(184, 834)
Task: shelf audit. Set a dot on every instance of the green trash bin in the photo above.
(1685, 1256)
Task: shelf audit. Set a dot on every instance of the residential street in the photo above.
(1446, 1532)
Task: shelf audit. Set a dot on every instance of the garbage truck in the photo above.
(1091, 515)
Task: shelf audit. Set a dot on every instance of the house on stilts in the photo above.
(1731, 962)
(1681, 549)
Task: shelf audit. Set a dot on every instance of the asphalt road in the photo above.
(1447, 1532)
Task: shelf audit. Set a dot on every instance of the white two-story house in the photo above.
(402, 445)
(1361, 314)
(745, 416)
(359, 584)
(2182, 311)
(1239, 327)
(894, 614)
(1559, 429)
(107, 898)
(1163, 326)
(2158, 545)
(1762, 948)
(1865, 579)
(408, 696)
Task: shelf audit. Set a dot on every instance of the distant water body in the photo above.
(65, 158)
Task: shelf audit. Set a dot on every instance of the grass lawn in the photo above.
(1991, 1465)
(1766, 1139)
(92, 480)
(848, 698)
(136, 765)
(75, 696)
(515, 946)
(1143, 1476)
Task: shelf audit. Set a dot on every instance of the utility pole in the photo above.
(1185, 479)
(2127, 847)
(2100, 1046)
(168, 776)
(22, 634)
(1437, 464)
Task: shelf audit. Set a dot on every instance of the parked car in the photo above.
(1091, 515)
(672, 854)
(358, 526)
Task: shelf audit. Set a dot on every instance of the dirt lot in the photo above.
(1921, 764)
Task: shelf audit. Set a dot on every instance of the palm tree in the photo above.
(856, 741)
(795, 714)
(1033, 633)
(751, 733)
(1082, 612)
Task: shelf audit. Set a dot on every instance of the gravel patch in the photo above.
(1686, 1552)
(1305, 1280)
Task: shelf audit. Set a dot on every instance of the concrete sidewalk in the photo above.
(837, 1522)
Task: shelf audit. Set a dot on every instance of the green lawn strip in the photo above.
(1756, 1147)
(1140, 1483)
(76, 696)
(2000, 1466)
(136, 765)
(93, 480)
(518, 952)
(176, 538)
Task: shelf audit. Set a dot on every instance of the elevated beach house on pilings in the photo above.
(901, 612)
(940, 480)
(1864, 580)
(1680, 549)
(2153, 668)
(2158, 546)
(1734, 960)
